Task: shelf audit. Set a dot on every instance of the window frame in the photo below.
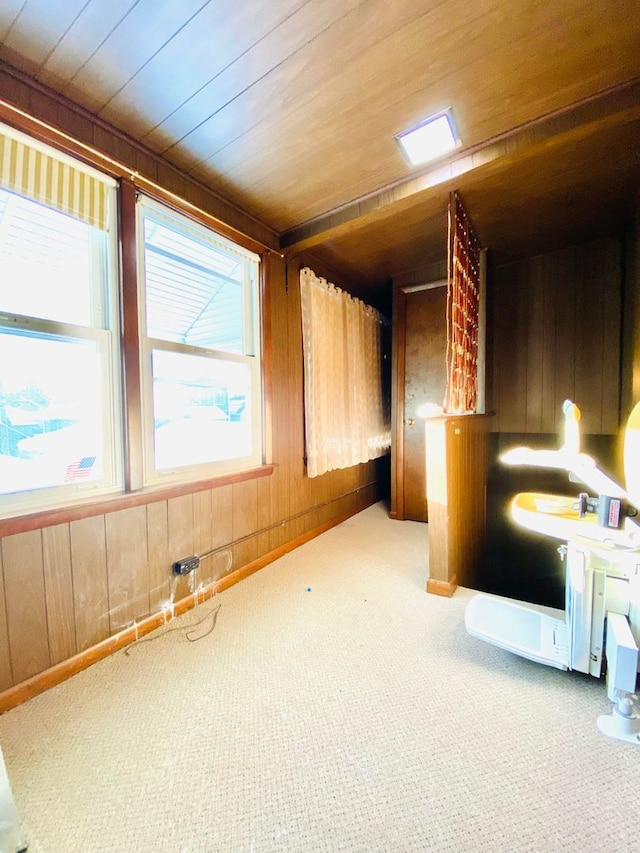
(133, 493)
(252, 344)
(103, 330)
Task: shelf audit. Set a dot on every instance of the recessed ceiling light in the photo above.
(432, 138)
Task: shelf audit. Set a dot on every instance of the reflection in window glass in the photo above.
(50, 412)
(194, 290)
(201, 409)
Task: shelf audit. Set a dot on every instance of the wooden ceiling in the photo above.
(289, 108)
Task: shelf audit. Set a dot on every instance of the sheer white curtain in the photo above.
(346, 417)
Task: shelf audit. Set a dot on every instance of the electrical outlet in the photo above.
(186, 565)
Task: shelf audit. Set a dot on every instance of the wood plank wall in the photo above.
(67, 587)
(554, 332)
(555, 323)
(457, 449)
(631, 316)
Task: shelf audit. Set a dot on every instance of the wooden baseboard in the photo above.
(445, 588)
(26, 690)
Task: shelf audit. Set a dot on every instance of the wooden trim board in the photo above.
(444, 588)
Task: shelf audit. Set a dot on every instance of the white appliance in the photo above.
(11, 838)
(600, 624)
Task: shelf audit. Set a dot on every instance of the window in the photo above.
(59, 362)
(62, 355)
(200, 349)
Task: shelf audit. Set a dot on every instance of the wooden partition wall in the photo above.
(74, 586)
(630, 393)
(555, 322)
(555, 327)
(457, 447)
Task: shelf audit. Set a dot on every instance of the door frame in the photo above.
(398, 351)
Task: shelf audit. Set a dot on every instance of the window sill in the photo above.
(62, 515)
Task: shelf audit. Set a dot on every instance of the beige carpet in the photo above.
(334, 707)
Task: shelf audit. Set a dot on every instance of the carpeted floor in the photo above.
(335, 706)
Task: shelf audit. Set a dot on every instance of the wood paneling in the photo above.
(531, 169)
(264, 515)
(51, 20)
(218, 565)
(202, 522)
(137, 36)
(222, 516)
(477, 86)
(245, 509)
(181, 540)
(90, 585)
(456, 491)
(281, 279)
(6, 676)
(597, 276)
(54, 675)
(58, 580)
(556, 330)
(398, 339)
(539, 359)
(245, 552)
(180, 525)
(158, 554)
(631, 316)
(293, 379)
(248, 38)
(509, 343)
(127, 567)
(26, 603)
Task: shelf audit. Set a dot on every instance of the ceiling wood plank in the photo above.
(45, 24)
(323, 86)
(146, 29)
(191, 75)
(9, 11)
(82, 39)
(262, 81)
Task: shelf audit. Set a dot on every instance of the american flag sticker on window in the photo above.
(79, 469)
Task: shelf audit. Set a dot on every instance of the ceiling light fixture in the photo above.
(432, 138)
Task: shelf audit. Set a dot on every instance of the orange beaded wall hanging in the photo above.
(463, 282)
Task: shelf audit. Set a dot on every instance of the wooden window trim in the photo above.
(63, 515)
(134, 494)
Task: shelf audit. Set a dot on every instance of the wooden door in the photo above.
(424, 381)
